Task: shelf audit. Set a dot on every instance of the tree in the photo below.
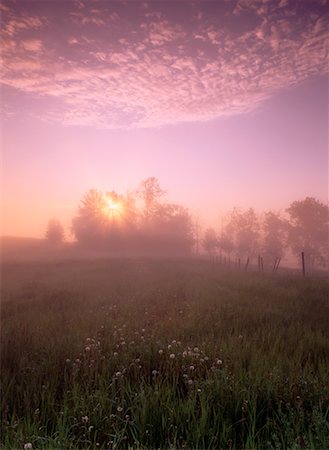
(210, 241)
(308, 230)
(226, 243)
(173, 229)
(274, 236)
(243, 230)
(54, 232)
(89, 226)
(150, 191)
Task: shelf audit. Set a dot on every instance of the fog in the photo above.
(143, 129)
(143, 224)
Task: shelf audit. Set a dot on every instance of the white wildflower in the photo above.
(27, 445)
(172, 356)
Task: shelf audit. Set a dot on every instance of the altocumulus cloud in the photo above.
(147, 64)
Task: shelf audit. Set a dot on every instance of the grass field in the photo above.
(162, 354)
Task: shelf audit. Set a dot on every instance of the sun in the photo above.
(114, 208)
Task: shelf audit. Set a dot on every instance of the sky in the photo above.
(225, 102)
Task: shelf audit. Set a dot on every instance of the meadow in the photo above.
(147, 354)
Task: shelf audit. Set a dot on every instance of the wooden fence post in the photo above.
(262, 263)
(303, 263)
(247, 263)
(277, 264)
(274, 266)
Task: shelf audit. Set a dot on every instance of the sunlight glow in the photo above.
(114, 209)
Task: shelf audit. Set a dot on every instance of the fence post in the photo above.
(247, 263)
(274, 266)
(262, 263)
(303, 263)
(277, 264)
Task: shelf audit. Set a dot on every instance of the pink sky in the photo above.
(225, 102)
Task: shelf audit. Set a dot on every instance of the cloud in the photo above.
(151, 71)
(32, 45)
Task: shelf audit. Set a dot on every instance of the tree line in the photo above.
(139, 222)
(142, 222)
(302, 228)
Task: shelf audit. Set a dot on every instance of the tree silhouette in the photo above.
(243, 229)
(113, 223)
(274, 228)
(54, 232)
(308, 230)
(210, 241)
(89, 226)
(150, 192)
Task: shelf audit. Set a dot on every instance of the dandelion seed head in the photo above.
(172, 356)
(27, 445)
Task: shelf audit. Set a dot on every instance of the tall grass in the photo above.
(162, 354)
